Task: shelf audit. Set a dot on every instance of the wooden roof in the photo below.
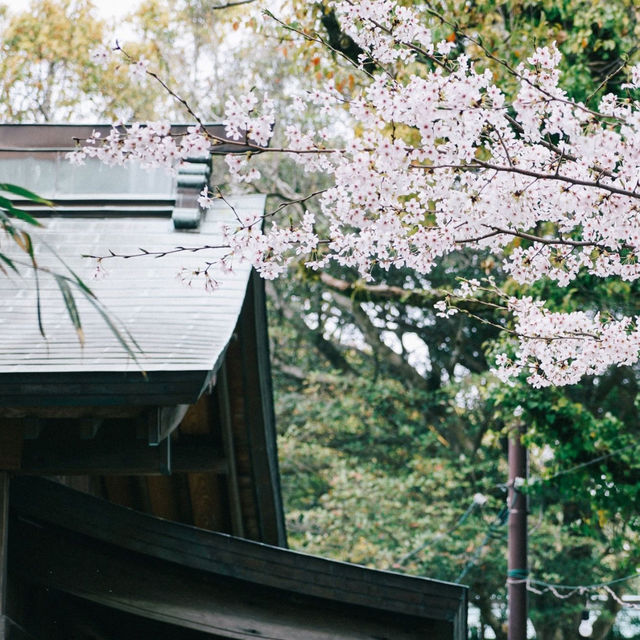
(178, 327)
(184, 432)
(222, 587)
(182, 331)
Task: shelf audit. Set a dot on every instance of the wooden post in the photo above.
(4, 529)
(235, 505)
(517, 544)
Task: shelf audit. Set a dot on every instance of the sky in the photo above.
(110, 10)
(106, 8)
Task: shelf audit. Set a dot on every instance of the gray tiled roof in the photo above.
(178, 327)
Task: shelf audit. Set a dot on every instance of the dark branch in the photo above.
(228, 5)
(341, 42)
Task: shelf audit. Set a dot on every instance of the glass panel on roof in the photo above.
(52, 176)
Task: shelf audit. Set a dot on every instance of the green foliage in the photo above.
(12, 222)
(595, 38)
(380, 474)
(379, 466)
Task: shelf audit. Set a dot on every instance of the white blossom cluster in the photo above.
(242, 123)
(150, 145)
(559, 348)
(551, 192)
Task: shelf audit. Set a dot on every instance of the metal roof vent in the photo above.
(193, 176)
(185, 219)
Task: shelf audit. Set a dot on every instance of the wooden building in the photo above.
(140, 496)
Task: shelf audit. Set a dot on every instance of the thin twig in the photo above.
(156, 254)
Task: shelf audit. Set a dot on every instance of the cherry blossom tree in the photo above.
(444, 162)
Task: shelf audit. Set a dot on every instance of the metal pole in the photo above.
(517, 566)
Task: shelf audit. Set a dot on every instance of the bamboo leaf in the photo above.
(25, 193)
(23, 215)
(78, 281)
(23, 240)
(124, 342)
(7, 205)
(124, 336)
(38, 301)
(70, 304)
(8, 262)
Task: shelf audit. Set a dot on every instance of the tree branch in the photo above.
(364, 292)
(374, 340)
(341, 42)
(324, 346)
(579, 182)
(228, 5)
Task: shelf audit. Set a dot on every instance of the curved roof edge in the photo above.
(233, 559)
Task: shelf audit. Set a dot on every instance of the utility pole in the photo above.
(517, 566)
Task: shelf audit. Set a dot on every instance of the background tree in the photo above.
(386, 333)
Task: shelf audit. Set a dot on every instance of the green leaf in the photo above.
(78, 281)
(70, 304)
(23, 240)
(7, 205)
(38, 300)
(8, 262)
(25, 193)
(124, 337)
(124, 342)
(23, 215)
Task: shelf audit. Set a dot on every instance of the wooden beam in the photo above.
(208, 504)
(10, 443)
(216, 607)
(91, 412)
(91, 457)
(259, 417)
(88, 428)
(32, 392)
(215, 557)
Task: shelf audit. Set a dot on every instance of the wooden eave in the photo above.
(217, 585)
(48, 137)
(36, 390)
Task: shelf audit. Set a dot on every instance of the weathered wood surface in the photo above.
(252, 418)
(97, 457)
(218, 557)
(11, 434)
(226, 429)
(9, 630)
(224, 608)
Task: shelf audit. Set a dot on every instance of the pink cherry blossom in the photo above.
(444, 162)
